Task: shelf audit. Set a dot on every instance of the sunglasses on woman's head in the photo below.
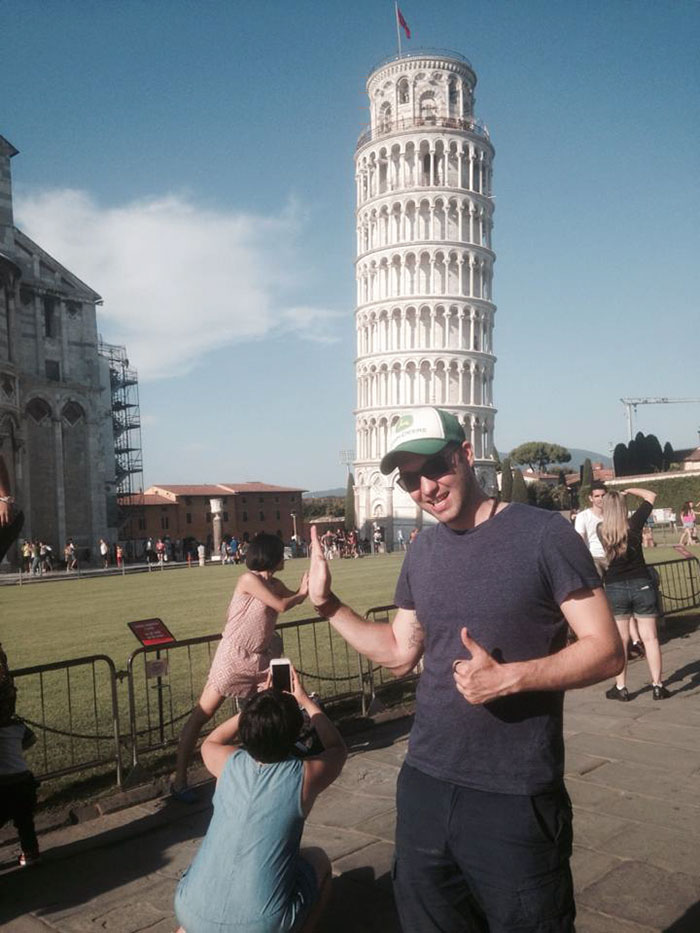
(433, 468)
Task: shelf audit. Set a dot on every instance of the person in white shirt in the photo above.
(587, 523)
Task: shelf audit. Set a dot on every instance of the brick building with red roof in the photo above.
(184, 511)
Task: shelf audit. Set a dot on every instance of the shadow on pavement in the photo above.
(688, 923)
(681, 675)
(678, 627)
(361, 903)
(381, 735)
(71, 874)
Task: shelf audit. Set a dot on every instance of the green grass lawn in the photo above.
(655, 555)
(73, 618)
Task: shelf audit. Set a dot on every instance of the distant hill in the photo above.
(577, 458)
(326, 493)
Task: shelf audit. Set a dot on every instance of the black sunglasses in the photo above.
(433, 468)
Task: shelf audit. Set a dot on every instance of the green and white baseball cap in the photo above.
(421, 431)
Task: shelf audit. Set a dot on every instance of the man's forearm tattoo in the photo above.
(415, 639)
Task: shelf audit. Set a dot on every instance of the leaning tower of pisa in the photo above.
(424, 269)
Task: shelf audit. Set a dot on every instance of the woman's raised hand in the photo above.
(319, 574)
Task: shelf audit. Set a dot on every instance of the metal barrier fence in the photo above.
(679, 584)
(164, 684)
(328, 665)
(72, 738)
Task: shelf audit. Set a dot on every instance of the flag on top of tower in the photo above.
(402, 22)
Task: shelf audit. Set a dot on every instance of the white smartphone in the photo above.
(281, 674)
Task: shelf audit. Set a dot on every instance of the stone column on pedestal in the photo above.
(216, 506)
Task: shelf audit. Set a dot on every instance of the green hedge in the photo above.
(671, 492)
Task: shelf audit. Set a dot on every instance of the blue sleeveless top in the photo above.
(246, 874)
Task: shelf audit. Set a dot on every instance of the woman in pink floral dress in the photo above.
(246, 648)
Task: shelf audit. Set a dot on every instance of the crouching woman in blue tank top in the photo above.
(250, 875)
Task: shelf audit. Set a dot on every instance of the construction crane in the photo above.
(631, 407)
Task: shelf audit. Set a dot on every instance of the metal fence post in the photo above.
(132, 710)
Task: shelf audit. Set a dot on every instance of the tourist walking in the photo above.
(69, 556)
(247, 645)
(689, 534)
(36, 559)
(629, 585)
(46, 557)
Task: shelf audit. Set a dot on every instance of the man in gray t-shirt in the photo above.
(483, 833)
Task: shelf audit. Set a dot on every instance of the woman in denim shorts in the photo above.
(629, 585)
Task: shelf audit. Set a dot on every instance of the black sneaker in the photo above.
(618, 693)
(635, 650)
(660, 692)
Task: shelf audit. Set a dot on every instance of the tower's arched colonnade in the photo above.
(424, 269)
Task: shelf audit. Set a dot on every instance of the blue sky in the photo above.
(193, 163)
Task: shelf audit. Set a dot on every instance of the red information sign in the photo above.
(152, 632)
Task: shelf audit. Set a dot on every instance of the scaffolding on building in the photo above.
(126, 428)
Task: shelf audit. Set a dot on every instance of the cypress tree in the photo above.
(655, 454)
(519, 492)
(350, 504)
(506, 481)
(620, 460)
(586, 483)
(634, 458)
(641, 459)
(669, 456)
(587, 473)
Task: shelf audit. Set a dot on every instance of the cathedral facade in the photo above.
(55, 417)
(424, 270)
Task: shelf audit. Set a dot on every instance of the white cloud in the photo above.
(177, 280)
(311, 323)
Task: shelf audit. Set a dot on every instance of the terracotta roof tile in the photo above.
(145, 499)
(219, 489)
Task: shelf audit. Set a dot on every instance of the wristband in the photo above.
(328, 607)
(7, 499)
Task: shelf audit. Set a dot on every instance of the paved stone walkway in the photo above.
(633, 772)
